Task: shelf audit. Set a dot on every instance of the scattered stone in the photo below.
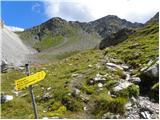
(109, 115)
(135, 80)
(49, 88)
(134, 46)
(127, 75)
(145, 115)
(99, 78)
(56, 117)
(84, 98)
(46, 96)
(85, 108)
(100, 85)
(114, 60)
(76, 92)
(114, 65)
(74, 75)
(136, 54)
(44, 111)
(6, 98)
(125, 67)
(122, 85)
(45, 118)
(90, 82)
(23, 95)
(16, 92)
(90, 66)
(142, 108)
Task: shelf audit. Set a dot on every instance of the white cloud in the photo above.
(88, 10)
(14, 29)
(36, 7)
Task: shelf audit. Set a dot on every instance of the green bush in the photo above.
(59, 112)
(155, 91)
(105, 103)
(130, 91)
(72, 104)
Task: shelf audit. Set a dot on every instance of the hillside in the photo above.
(57, 37)
(110, 83)
(14, 52)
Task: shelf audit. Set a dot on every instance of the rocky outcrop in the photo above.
(142, 108)
(115, 38)
(149, 78)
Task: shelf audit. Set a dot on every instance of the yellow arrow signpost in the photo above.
(28, 82)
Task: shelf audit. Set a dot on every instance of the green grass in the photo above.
(48, 42)
(60, 101)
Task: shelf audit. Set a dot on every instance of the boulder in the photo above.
(153, 70)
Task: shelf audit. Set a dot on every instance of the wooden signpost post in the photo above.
(27, 82)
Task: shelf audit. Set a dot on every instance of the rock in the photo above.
(46, 96)
(114, 60)
(122, 85)
(45, 118)
(128, 106)
(56, 117)
(23, 95)
(6, 98)
(99, 78)
(90, 66)
(142, 108)
(136, 54)
(125, 67)
(109, 115)
(90, 82)
(76, 92)
(153, 70)
(135, 80)
(4, 66)
(133, 99)
(100, 85)
(49, 88)
(133, 46)
(74, 75)
(127, 75)
(84, 98)
(85, 108)
(145, 115)
(114, 66)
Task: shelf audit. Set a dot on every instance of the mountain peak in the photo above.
(154, 19)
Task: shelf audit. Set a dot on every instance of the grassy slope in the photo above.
(66, 40)
(60, 74)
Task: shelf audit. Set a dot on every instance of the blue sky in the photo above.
(24, 14)
(29, 13)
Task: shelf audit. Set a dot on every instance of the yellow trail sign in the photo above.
(29, 80)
